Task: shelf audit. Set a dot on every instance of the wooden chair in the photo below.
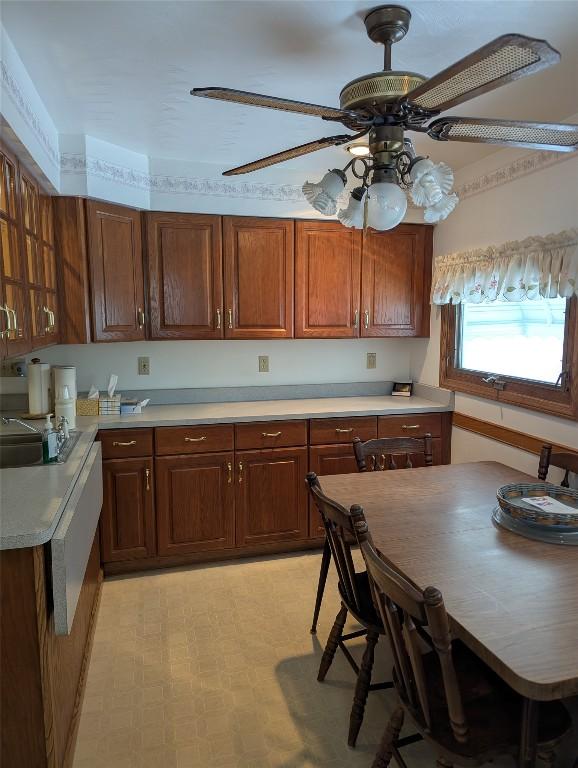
(373, 455)
(355, 599)
(380, 454)
(549, 458)
(458, 704)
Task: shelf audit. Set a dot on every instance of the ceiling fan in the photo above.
(384, 105)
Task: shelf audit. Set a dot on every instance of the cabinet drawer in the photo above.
(195, 439)
(328, 431)
(410, 425)
(124, 443)
(270, 434)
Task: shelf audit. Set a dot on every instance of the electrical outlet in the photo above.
(371, 359)
(144, 366)
(263, 363)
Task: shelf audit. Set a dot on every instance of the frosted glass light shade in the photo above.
(386, 205)
(442, 209)
(323, 196)
(430, 182)
(352, 216)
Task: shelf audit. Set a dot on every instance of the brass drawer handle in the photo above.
(240, 472)
(218, 319)
(230, 313)
(270, 434)
(148, 478)
(140, 317)
(356, 319)
(123, 445)
(411, 426)
(366, 319)
(195, 439)
(344, 430)
(230, 471)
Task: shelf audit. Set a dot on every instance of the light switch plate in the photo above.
(144, 367)
(371, 359)
(263, 363)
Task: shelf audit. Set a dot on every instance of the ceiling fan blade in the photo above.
(272, 102)
(280, 157)
(558, 137)
(502, 61)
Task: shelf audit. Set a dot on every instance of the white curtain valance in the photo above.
(538, 267)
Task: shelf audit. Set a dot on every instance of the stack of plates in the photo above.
(548, 522)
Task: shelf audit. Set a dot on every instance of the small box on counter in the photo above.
(86, 407)
(129, 407)
(402, 388)
(109, 406)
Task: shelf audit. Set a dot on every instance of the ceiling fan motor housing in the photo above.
(374, 91)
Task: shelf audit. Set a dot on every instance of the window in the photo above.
(523, 352)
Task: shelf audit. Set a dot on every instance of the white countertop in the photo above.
(224, 413)
(33, 498)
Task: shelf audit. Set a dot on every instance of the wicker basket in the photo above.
(510, 501)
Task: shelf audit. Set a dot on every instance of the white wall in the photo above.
(176, 364)
(533, 203)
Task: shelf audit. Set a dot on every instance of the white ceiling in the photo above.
(122, 71)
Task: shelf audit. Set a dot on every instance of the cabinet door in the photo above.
(258, 278)
(127, 526)
(185, 276)
(195, 503)
(327, 280)
(50, 306)
(328, 460)
(396, 279)
(15, 323)
(271, 495)
(116, 270)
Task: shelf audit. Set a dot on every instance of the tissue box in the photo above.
(86, 407)
(109, 406)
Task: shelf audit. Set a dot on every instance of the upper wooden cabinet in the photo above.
(116, 272)
(327, 280)
(349, 284)
(185, 276)
(258, 257)
(28, 287)
(396, 279)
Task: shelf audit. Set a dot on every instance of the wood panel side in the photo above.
(22, 735)
(73, 279)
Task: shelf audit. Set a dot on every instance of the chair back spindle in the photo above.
(380, 454)
(406, 612)
(550, 458)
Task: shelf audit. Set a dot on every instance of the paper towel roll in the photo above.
(38, 387)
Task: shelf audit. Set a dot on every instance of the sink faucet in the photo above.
(14, 420)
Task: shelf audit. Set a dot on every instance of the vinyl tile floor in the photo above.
(214, 667)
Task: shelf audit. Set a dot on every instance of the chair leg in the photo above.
(324, 570)
(332, 643)
(362, 688)
(390, 736)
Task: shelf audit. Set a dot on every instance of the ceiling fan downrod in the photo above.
(387, 24)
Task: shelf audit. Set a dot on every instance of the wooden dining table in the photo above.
(512, 600)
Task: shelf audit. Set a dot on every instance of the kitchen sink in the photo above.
(24, 449)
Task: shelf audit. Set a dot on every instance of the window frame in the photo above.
(538, 396)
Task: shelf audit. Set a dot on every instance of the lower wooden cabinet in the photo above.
(271, 495)
(195, 503)
(328, 460)
(127, 526)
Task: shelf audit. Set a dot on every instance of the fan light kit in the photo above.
(384, 105)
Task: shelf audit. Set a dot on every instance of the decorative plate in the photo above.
(551, 534)
(511, 501)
